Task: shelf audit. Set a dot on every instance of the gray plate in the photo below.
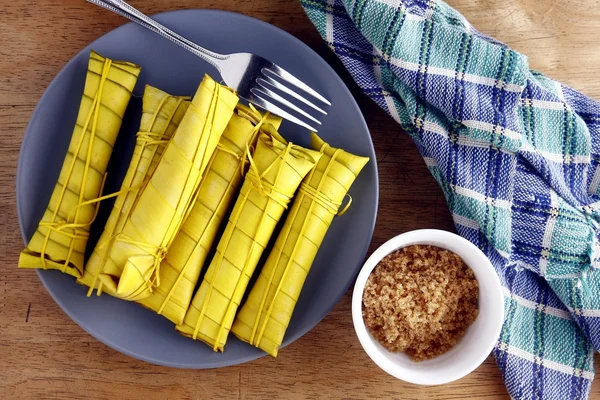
(128, 327)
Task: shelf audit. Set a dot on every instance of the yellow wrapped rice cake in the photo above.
(61, 237)
(161, 115)
(276, 170)
(266, 314)
(180, 269)
(132, 267)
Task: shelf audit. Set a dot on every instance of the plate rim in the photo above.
(288, 339)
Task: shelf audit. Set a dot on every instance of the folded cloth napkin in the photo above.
(517, 155)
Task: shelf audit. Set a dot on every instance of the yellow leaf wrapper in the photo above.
(161, 115)
(266, 314)
(180, 269)
(61, 237)
(132, 267)
(276, 170)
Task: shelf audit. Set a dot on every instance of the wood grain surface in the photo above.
(43, 354)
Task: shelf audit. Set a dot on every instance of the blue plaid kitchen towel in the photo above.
(518, 157)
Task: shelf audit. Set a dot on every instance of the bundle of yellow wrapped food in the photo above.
(131, 267)
(276, 170)
(180, 270)
(191, 160)
(62, 234)
(161, 115)
(267, 312)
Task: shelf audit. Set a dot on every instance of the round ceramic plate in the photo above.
(128, 327)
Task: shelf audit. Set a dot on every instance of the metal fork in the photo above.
(255, 79)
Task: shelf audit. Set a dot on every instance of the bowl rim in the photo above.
(426, 236)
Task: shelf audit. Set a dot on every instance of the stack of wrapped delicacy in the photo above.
(212, 189)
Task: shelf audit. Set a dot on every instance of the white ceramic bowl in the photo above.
(480, 338)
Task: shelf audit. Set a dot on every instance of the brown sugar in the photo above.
(420, 300)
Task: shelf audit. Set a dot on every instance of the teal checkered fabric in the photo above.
(517, 155)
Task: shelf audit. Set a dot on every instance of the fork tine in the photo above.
(272, 82)
(286, 76)
(268, 93)
(259, 101)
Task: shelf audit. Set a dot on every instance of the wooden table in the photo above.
(43, 354)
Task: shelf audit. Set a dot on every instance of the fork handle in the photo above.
(123, 9)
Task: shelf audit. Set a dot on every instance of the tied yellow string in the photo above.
(150, 138)
(322, 199)
(264, 187)
(347, 206)
(319, 198)
(143, 139)
(225, 149)
(77, 233)
(157, 252)
(347, 195)
(256, 118)
(59, 226)
(253, 115)
(256, 179)
(74, 225)
(242, 156)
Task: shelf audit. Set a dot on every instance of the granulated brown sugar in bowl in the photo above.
(420, 300)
